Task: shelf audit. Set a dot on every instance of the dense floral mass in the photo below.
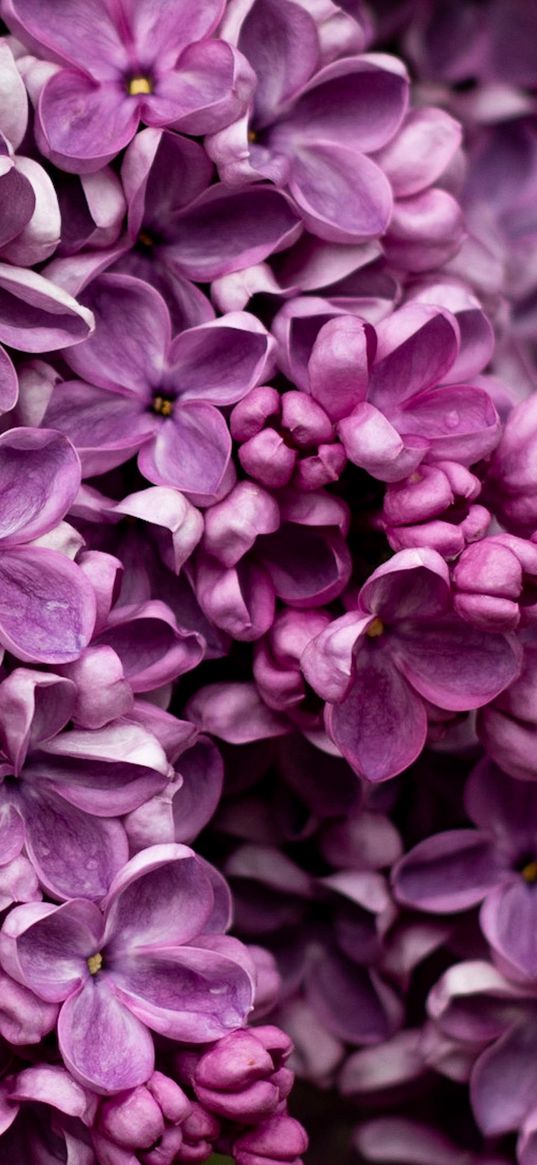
(268, 582)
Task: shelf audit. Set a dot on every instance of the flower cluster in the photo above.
(268, 581)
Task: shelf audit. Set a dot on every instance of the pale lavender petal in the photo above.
(503, 1085)
(507, 918)
(221, 361)
(227, 230)
(91, 38)
(208, 90)
(37, 315)
(34, 706)
(53, 951)
(344, 196)
(86, 852)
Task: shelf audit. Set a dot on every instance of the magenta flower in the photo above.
(142, 61)
(145, 392)
(154, 958)
(401, 646)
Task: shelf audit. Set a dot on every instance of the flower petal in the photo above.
(103, 1045)
(162, 897)
(131, 338)
(191, 452)
(381, 725)
(82, 124)
(39, 480)
(457, 666)
(192, 994)
(448, 872)
(47, 606)
(508, 919)
(87, 851)
(344, 197)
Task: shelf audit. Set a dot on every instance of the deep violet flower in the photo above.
(493, 863)
(401, 646)
(127, 63)
(154, 958)
(155, 394)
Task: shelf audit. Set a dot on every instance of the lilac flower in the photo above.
(181, 229)
(69, 785)
(257, 546)
(30, 214)
(134, 63)
(286, 440)
(396, 1140)
(387, 390)
(280, 1139)
(157, 395)
(45, 1115)
(492, 863)
(312, 129)
(436, 507)
(154, 958)
(376, 665)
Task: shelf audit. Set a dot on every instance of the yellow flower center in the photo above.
(95, 963)
(375, 629)
(529, 873)
(163, 406)
(146, 239)
(138, 86)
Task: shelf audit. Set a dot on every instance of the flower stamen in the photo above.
(529, 872)
(163, 406)
(375, 629)
(137, 86)
(95, 963)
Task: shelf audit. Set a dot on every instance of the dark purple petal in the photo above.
(380, 726)
(448, 872)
